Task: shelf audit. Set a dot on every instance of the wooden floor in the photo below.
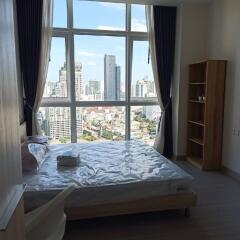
(216, 217)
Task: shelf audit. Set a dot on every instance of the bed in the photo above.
(113, 178)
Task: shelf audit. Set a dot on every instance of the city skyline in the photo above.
(90, 49)
(97, 90)
(97, 123)
(100, 74)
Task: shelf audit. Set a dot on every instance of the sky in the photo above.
(90, 50)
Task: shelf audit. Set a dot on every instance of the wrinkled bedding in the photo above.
(108, 172)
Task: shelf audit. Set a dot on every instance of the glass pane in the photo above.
(99, 15)
(143, 86)
(138, 21)
(57, 82)
(55, 122)
(144, 123)
(100, 123)
(99, 68)
(59, 13)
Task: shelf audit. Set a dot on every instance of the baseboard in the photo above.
(179, 158)
(231, 173)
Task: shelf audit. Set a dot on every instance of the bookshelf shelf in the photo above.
(197, 83)
(195, 101)
(197, 141)
(200, 123)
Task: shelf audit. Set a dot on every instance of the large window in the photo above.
(100, 84)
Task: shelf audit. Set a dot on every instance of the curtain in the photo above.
(32, 16)
(161, 22)
(46, 38)
(159, 141)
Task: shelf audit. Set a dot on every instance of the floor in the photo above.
(216, 216)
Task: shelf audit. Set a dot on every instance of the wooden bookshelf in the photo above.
(205, 115)
(197, 83)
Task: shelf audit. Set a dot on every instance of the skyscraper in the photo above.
(57, 123)
(112, 78)
(141, 88)
(78, 81)
(61, 87)
(93, 90)
(145, 88)
(118, 81)
(109, 77)
(93, 87)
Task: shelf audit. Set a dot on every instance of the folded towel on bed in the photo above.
(68, 159)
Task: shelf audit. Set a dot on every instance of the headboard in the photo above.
(23, 131)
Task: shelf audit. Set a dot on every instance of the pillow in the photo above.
(33, 155)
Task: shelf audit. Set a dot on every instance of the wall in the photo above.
(10, 157)
(191, 46)
(224, 43)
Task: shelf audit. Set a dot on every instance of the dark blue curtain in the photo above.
(165, 31)
(29, 18)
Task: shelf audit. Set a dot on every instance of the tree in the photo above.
(107, 134)
(62, 140)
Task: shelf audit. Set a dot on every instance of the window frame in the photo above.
(69, 33)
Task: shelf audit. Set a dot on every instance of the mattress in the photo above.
(108, 172)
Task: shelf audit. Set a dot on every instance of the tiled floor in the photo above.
(216, 217)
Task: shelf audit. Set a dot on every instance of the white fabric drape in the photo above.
(46, 37)
(159, 140)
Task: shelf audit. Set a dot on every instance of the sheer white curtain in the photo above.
(159, 141)
(44, 59)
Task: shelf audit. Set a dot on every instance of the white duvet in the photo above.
(108, 171)
(104, 163)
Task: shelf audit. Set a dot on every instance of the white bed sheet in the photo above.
(109, 172)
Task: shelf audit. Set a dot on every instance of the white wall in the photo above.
(224, 43)
(11, 213)
(191, 46)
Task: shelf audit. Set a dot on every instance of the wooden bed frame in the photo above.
(169, 202)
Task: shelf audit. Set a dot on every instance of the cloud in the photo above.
(119, 6)
(89, 54)
(110, 28)
(139, 26)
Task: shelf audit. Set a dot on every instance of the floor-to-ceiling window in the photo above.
(99, 85)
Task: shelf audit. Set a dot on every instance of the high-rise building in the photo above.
(93, 87)
(93, 90)
(57, 122)
(78, 81)
(118, 81)
(61, 87)
(79, 118)
(112, 78)
(151, 87)
(141, 88)
(49, 89)
(145, 88)
(109, 77)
